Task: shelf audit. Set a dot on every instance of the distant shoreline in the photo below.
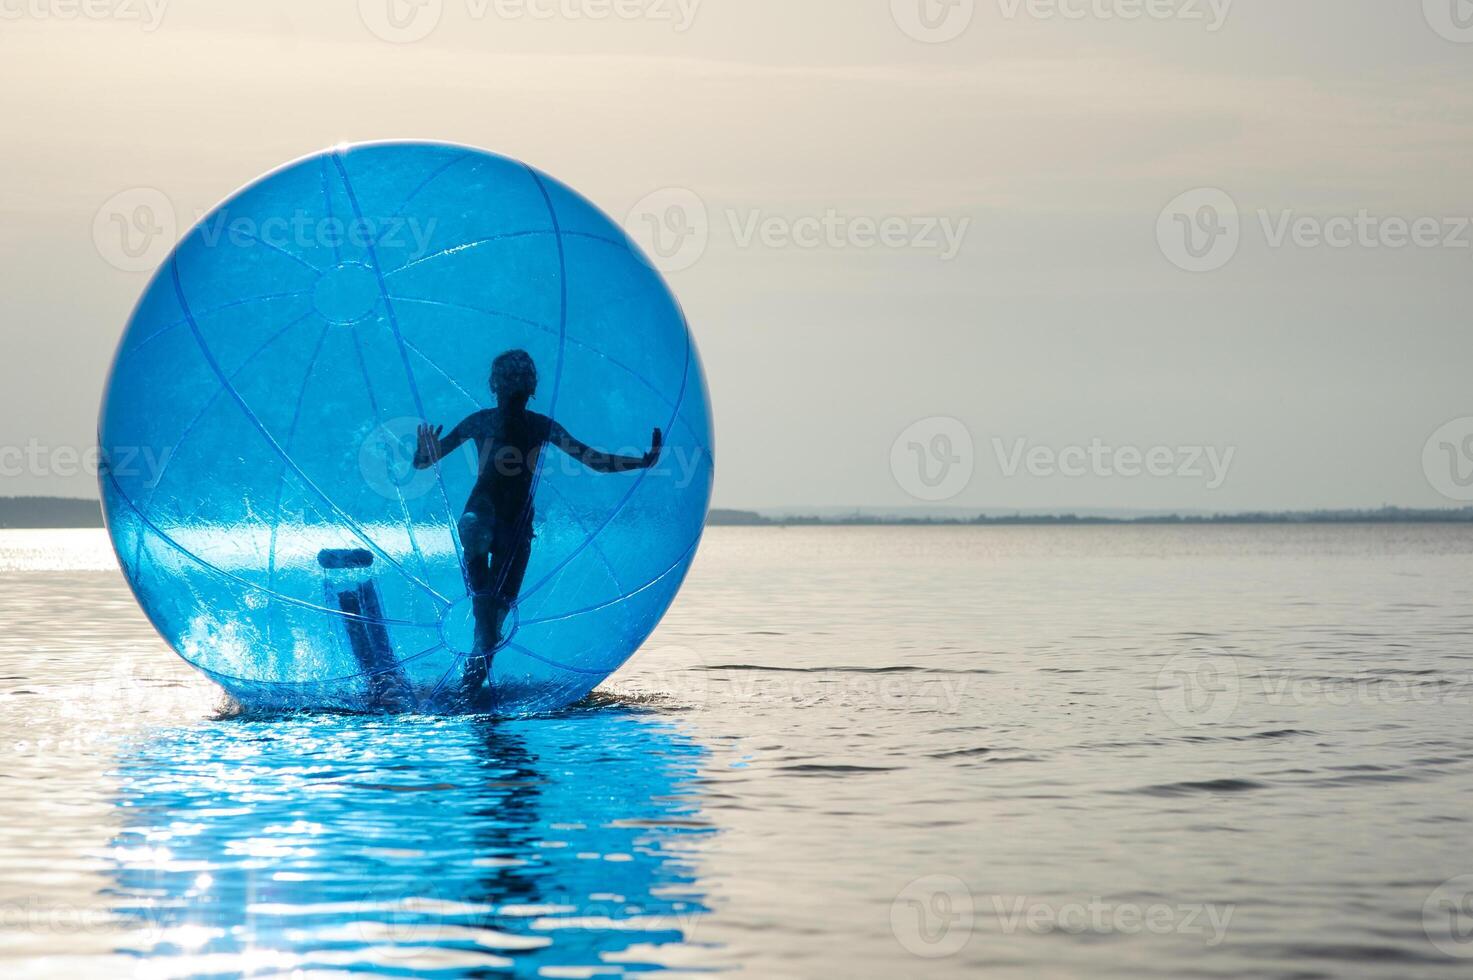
(49, 512)
(1383, 515)
(72, 512)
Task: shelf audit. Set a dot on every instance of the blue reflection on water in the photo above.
(413, 846)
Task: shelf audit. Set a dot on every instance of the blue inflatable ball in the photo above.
(406, 427)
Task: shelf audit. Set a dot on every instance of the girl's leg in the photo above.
(509, 559)
(475, 539)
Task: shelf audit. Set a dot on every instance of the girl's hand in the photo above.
(653, 456)
(428, 451)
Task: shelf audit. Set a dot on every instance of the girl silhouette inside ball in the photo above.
(496, 526)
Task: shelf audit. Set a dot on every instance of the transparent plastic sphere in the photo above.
(267, 485)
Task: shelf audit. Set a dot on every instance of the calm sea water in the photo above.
(1018, 752)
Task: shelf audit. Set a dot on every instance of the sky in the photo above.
(1037, 254)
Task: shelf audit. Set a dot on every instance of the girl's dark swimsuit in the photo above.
(496, 528)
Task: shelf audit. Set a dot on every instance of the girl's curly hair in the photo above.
(514, 376)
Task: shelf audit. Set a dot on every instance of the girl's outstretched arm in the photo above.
(602, 462)
(432, 448)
